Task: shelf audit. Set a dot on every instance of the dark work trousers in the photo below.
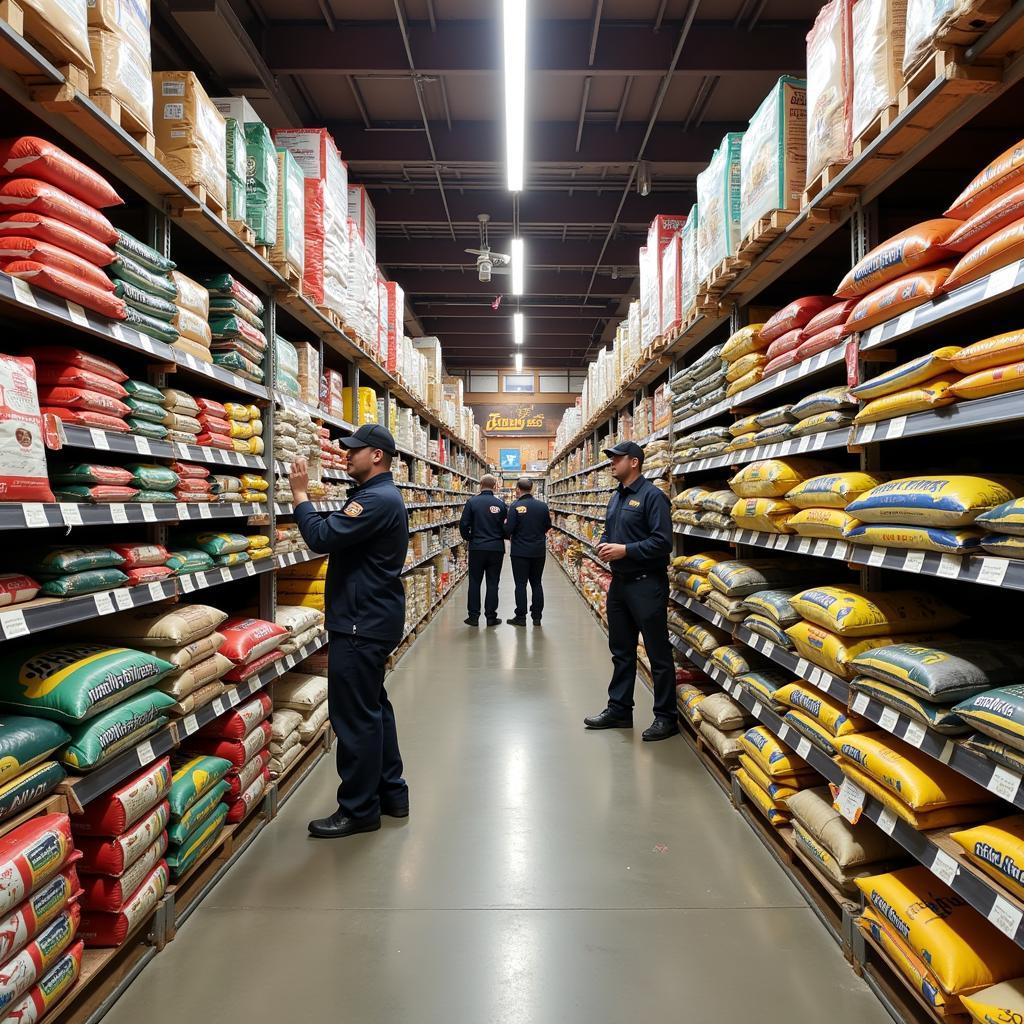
(484, 563)
(529, 570)
(369, 761)
(640, 607)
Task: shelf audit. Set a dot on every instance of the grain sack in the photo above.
(239, 722)
(919, 246)
(1004, 173)
(31, 855)
(74, 377)
(964, 951)
(770, 630)
(934, 500)
(997, 381)
(744, 365)
(765, 515)
(741, 578)
(240, 673)
(198, 814)
(284, 723)
(136, 555)
(22, 453)
(828, 651)
(88, 582)
(812, 730)
(774, 603)
(748, 380)
(997, 847)
(29, 788)
(25, 742)
(773, 154)
(281, 747)
(820, 858)
(850, 845)
(1003, 1002)
(31, 917)
(941, 817)
(703, 562)
(730, 608)
(115, 730)
(851, 613)
(312, 723)
(724, 713)
(183, 624)
(934, 716)
(829, 89)
(772, 435)
(999, 350)
(1003, 247)
(718, 199)
(737, 660)
(745, 341)
(775, 814)
(187, 681)
(21, 972)
(16, 588)
(50, 989)
(998, 713)
(290, 209)
(919, 538)
(822, 422)
(917, 371)
(825, 523)
(778, 792)
(772, 478)
(237, 752)
(249, 798)
(73, 683)
(113, 813)
(246, 639)
(241, 779)
(192, 850)
(300, 691)
(932, 395)
(705, 639)
(825, 710)
(110, 930)
(897, 297)
(998, 214)
(110, 893)
(775, 760)
(1003, 544)
(192, 779)
(878, 28)
(102, 855)
(188, 654)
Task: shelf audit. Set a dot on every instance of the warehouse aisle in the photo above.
(547, 874)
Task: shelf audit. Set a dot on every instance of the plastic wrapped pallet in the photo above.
(325, 183)
(394, 319)
(360, 210)
(877, 51)
(773, 157)
(190, 131)
(829, 89)
(235, 159)
(119, 43)
(660, 235)
(671, 284)
(289, 209)
(286, 369)
(261, 190)
(688, 259)
(61, 27)
(718, 196)
(922, 23)
(308, 372)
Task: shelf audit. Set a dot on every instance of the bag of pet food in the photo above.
(113, 855)
(21, 972)
(193, 849)
(198, 814)
(919, 246)
(31, 855)
(249, 798)
(56, 232)
(115, 730)
(110, 930)
(239, 722)
(114, 813)
(897, 297)
(246, 639)
(167, 627)
(109, 893)
(45, 904)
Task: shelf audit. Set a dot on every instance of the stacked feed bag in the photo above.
(308, 375)
(236, 321)
(190, 131)
(773, 156)
(181, 416)
(304, 625)
(300, 711)
(123, 838)
(289, 245)
(779, 766)
(718, 197)
(326, 214)
(119, 38)
(744, 355)
(761, 488)
(363, 215)
(54, 235)
(823, 500)
(29, 769)
(304, 584)
(81, 389)
(236, 160)
(196, 804)
(804, 327)
(251, 645)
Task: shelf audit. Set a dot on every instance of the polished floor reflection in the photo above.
(546, 874)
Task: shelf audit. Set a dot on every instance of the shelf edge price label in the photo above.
(156, 591)
(190, 725)
(148, 512)
(877, 556)
(849, 801)
(993, 571)
(225, 575)
(887, 821)
(768, 647)
(1005, 916)
(34, 513)
(915, 733)
(944, 867)
(71, 514)
(104, 606)
(757, 706)
(187, 583)
(803, 747)
(13, 623)
(99, 439)
(1003, 783)
(146, 753)
(142, 443)
(914, 561)
(949, 566)
(888, 719)
(122, 599)
(118, 513)
(218, 707)
(1002, 279)
(860, 703)
(802, 668)
(867, 434)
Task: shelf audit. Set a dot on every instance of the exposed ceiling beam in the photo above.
(540, 252)
(556, 47)
(542, 343)
(456, 327)
(479, 309)
(548, 282)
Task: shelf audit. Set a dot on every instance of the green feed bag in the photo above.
(193, 779)
(237, 363)
(189, 560)
(115, 730)
(144, 302)
(198, 814)
(224, 306)
(155, 496)
(153, 477)
(24, 742)
(192, 850)
(29, 788)
(221, 543)
(235, 149)
(124, 268)
(261, 183)
(150, 325)
(142, 253)
(146, 428)
(143, 410)
(88, 582)
(143, 392)
(235, 558)
(76, 681)
(60, 561)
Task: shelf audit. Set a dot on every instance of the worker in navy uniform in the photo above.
(527, 523)
(637, 543)
(483, 528)
(365, 605)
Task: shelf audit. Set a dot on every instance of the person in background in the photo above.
(483, 528)
(637, 543)
(527, 523)
(365, 604)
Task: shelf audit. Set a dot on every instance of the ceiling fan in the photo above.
(487, 262)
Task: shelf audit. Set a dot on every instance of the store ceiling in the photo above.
(412, 90)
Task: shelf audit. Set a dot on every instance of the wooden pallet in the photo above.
(52, 96)
(291, 276)
(764, 232)
(141, 132)
(960, 80)
(243, 230)
(814, 193)
(208, 199)
(879, 126)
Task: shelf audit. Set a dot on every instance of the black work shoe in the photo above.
(536, 622)
(471, 622)
(609, 719)
(494, 622)
(337, 826)
(516, 622)
(661, 729)
(395, 808)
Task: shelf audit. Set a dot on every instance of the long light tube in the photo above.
(514, 19)
(518, 266)
(518, 328)
(519, 362)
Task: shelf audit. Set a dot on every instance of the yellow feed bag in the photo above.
(850, 613)
(962, 540)
(777, 791)
(963, 950)
(746, 425)
(314, 570)
(831, 652)
(998, 381)
(765, 515)
(919, 780)
(701, 563)
(732, 659)
(825, 710)
(744, 365)
(300, 586)
(932, 395)
(775, 761)
(817, 734)
(775, 814)
(935, 500)
(745, 340)
(1006, 518)
(998, 713)
(833, 490)
(748, 380)
(762, 684)
(997, 1004)
(704, 639)
(908, 375)
(997, 847)
(828, 523)
(772, 478)
(990, 352)
(696, 586)
(742, 441)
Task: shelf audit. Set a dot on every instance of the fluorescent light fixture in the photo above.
(519, 362)
(518, 328)
(514, 20)
(518, 266)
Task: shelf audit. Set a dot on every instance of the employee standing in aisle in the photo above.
(365, 604)
(637, 543)
(483, 528)
(527, 523)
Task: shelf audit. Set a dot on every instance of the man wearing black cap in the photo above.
(365, 604)
(637, 542)
(483, 528)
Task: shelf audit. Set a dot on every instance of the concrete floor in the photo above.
(547, 874)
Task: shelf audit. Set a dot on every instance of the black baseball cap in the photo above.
(630, 448)
(372, 435)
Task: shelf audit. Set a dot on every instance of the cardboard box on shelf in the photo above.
(237, 107)
(431, 350)
(309, 372)
(123, 71)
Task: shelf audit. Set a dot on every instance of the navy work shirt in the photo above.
(368, 541)
(528, 521)
(639, 516)
(483, 522)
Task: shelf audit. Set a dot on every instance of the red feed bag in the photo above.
(139, 554)
(20, 247)
(109, 930)
(37, 158)
(239, 722)
(42, 907)
(113, 856)
(104, 494)
(897, 297)
(238, 752)
(81, 418)
(190, 470)
(251, 668)
(249, 798)
(23, 474)
(240, 779)
(794, 316)
(32, 854)
(1000, 213)
(109, 893)
(214, 424)
(147, 574)
(75, 377)
(32, 196)
(782, 362)
(208, 440)
(207, 405)
(57, 232)
(246, 638)
(67, 286)
(114, 813)
(835, 316)
(64, 357)
(190, 494)
(42, 997)
(784, 343)
(79, 398)
(819, 343)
